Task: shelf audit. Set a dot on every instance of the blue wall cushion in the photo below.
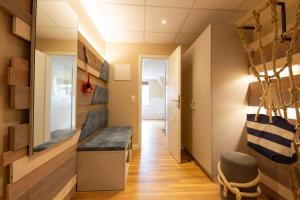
(100, 95)
(104, 71)
(95, 120)
(110, 139)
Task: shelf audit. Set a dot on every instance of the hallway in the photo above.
(154, 174)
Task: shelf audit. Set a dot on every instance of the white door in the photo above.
(174, 104)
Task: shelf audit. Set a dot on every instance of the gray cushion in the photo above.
(110, 139)
(239, 167)
(56, 137)
(100, 95)
(104, 71)
(94, 121)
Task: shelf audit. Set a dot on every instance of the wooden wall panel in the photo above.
(10, 46)
(54, 183)
(26, 165)
(19, 8)
(18, 137)
(47, 180)
(18, 72)
(9, 157)
(21, 29)
(85, 67)
(94, 61)
(255, 93)
(282, 48)
(68, 190)
(81, 75)
(16, 189)
(83, 100)
(27, 174)
(19, 97)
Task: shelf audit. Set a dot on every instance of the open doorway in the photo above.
(153, 104)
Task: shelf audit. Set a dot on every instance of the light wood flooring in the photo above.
(154, 174)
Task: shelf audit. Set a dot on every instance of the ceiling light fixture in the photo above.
(163, 22)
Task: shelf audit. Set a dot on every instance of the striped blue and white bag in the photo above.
(273, 140)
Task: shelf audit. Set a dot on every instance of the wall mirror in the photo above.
(54, 74)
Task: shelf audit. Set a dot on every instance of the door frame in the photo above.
(141, 57)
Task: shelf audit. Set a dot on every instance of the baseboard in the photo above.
(213, 179)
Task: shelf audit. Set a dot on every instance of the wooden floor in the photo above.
(154, 174)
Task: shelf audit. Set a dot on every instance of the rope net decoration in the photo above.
(272, 98)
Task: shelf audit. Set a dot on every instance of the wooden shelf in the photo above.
(280, 62)
(83, 66)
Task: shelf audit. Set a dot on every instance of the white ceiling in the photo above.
(139, 21)
(56, 20)
(153, 68)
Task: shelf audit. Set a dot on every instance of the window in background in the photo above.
(145, 93)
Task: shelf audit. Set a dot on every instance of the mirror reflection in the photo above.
(54, 73)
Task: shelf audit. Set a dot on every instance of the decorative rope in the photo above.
(234, 187)
(273, 99)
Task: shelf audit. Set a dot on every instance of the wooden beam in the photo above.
(81, 75)
(18, 136)
(255, 93)
(11, 156)
(18, 8)
(19, 97)
(40, 181)
(85, 67)
(279, 62)
(281, 51)
(21, 29)
(28, 164)
(83, 41)
(18, 73)
(68, 190)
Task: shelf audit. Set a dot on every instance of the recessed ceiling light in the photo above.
(163, 22)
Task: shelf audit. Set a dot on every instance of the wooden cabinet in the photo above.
(214, 85)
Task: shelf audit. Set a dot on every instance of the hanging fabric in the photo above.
(273, 140)
(87, 87)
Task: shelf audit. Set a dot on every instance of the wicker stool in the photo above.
(240, 168)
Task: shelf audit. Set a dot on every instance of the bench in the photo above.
(103, 156)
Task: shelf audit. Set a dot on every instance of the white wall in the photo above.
(230, 81)
(156, 108)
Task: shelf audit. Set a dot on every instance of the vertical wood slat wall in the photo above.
(52, 172)
(83, 101)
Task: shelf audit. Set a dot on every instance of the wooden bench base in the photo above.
(102, 170)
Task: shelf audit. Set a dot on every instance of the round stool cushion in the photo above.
(240, 168)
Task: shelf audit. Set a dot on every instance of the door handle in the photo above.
(178, 101)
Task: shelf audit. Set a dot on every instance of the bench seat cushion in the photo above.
(113, 138)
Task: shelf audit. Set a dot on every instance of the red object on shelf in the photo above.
(87, 87)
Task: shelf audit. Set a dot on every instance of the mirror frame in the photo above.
(32, 69)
